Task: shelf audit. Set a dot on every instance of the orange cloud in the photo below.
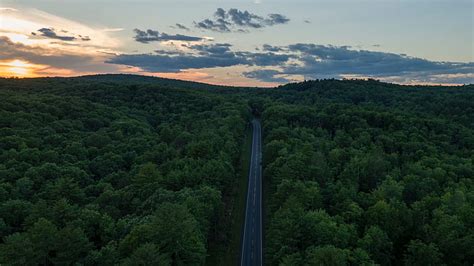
(23, 54)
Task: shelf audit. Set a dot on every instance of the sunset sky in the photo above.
(256, 43)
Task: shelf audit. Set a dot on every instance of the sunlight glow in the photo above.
(18, 68)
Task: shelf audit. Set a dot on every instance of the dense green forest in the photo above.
(361, 172)
(101, 172)
(130, 170)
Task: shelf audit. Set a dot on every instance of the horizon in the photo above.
(235, 86)
(243, 43)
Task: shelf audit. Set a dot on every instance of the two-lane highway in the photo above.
(252, 235)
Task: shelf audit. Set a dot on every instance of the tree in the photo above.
(377, 244)
(71, 246)
(147, 254)
(419, 253)
(174, 231)
(327, 256)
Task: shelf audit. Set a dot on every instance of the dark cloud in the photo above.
(264, 59)
(155, 36)
(168, 63)
(302, 59)
(274, 19)
(265, 75)
(323, 61)
(340, 60)
(217, 49)
(51, 33)
(239, 21)
(220, 13)
(242, 18)
(85, 38)
(200, 56)
(38, 55)
(181, 26)
(250, 58)
(168, 52)
(219, 25)
(271, 48)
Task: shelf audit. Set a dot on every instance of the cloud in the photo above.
(85, 38)
(199, 56)
(271, 48)
(219, 25)
(241, 18)
(265, 59)
(19, 25)
(268, 75)
(54, 61)
(51, 33)
(234, 20)
(155, 36)
(181, 27)
(314, 61)
(112, 29)
(432, 79)
(305, 60)
(167, 63)
(339, 60)
(212, 49)
(8, 9)
(274, 19)
(59, 46)
(39, 55)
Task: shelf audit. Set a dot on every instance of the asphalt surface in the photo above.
(251, 251)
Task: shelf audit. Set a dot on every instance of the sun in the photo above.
(17, 68)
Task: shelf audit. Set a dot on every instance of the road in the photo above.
(252, 235)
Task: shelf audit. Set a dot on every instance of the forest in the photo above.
(131, 170)
(100, 172)
(364, 173)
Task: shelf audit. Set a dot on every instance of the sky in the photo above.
(241, 43)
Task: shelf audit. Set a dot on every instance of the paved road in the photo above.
(252, 236)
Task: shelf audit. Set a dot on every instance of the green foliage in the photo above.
(327, 256)
(114, 171)
(129, 170)
(362, 172)
(419, 253)
(183, 242)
